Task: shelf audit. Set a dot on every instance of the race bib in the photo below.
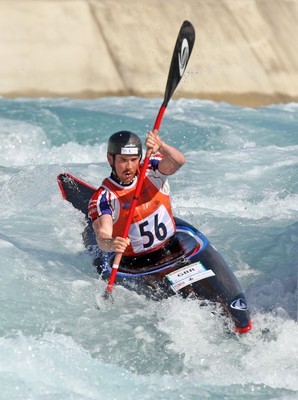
(152, 231)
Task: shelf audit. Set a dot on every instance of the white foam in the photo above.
(61, 339)
(23, 144)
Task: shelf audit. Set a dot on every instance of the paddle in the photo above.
(181, 54)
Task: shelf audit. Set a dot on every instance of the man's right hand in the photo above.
(119, 244)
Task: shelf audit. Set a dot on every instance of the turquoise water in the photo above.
(60, 340)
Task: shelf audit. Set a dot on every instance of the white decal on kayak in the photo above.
(239, 304)
(188, 275)
(183, 56)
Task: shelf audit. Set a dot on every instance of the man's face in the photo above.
(125, 166)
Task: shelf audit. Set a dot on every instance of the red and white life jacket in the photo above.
(153, 222)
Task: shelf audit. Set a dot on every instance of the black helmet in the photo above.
(126, 143)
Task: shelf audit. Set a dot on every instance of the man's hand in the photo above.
(153, 141)
(172, 159)
(119, 244)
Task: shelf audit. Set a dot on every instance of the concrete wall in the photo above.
(245, 51)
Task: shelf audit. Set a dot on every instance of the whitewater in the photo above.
(61, 340)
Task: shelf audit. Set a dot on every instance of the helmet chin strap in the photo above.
(115, 177)
(113, 165)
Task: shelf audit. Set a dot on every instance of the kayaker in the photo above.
(152, 231)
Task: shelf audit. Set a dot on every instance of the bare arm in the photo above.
(172, 160)
(103, 228)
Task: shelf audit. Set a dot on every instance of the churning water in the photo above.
(59, 339)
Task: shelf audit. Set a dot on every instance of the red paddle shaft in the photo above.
(181, 54)
(135, 199)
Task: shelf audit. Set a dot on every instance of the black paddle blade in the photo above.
(181, 54)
